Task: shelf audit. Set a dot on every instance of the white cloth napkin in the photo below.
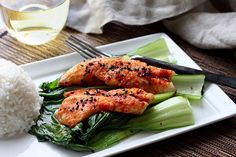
(196, 21)
(205, 27)
(89, 16)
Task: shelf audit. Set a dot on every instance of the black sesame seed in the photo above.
(132, 95)
(116, 94)
(112, 67)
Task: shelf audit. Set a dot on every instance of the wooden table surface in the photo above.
(218, 139)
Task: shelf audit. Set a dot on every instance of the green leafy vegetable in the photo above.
(172, 113)
(156, 49)
(85, 130)
(49, 129)
(45, 102)
(116, 121)
(189, 86)
(49, 86)
(108, 138)
(56, 93)
(162, 96)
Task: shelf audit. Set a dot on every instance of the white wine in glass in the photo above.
(34, 22)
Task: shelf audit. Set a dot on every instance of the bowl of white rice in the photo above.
(19, 100)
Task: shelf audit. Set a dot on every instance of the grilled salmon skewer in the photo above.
(120, 73)
(80, 104)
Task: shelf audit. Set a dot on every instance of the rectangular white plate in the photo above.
(214, 106)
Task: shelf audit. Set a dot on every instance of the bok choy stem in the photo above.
(161, 97)
(189, 86)
(156, 49)
(172, 113)
(108, 138)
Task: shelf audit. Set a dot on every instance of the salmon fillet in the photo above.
(80, 104)
(120, 73)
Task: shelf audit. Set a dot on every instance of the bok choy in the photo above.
(189, 86)
(171, 113)
(156, 49)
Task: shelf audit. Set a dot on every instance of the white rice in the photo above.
(19, 100)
